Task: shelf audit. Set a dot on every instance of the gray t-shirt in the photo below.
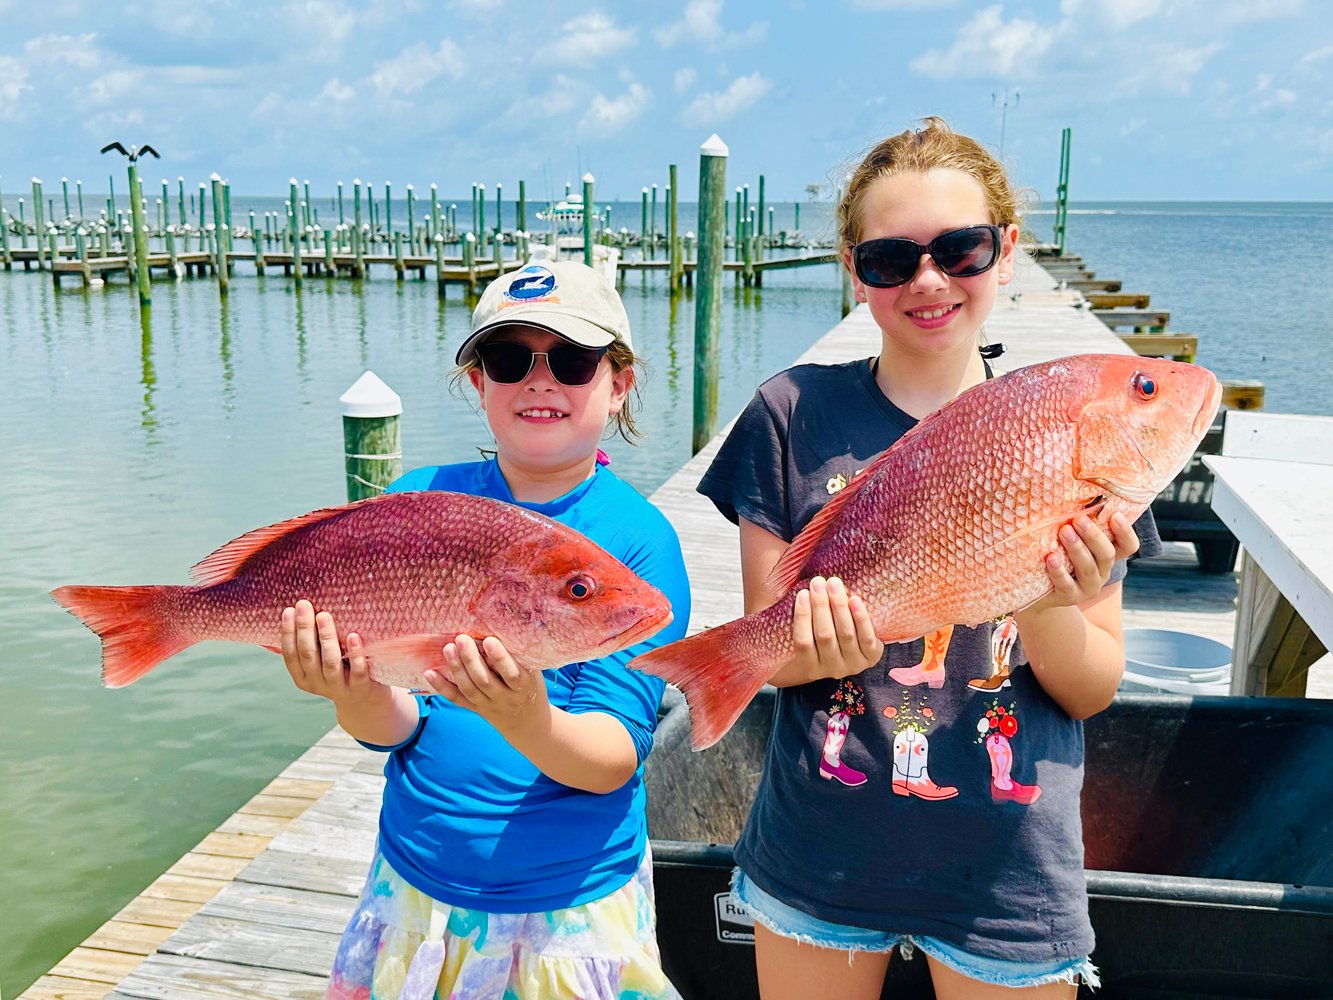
(936, 793)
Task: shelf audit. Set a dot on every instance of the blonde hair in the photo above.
(936, 146)
(622, 358)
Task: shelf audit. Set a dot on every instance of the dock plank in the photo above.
(178, 977)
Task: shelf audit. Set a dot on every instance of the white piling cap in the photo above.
(215, 176)
(589, 178)
(714, 146)
(370, 397)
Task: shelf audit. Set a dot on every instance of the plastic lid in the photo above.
(370, 397)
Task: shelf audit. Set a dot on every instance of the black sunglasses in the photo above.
(893, 260)
(509, 363)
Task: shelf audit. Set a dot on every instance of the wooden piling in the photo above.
(372, 453)
(521, 223)
(295, 231)
(674, 264)
(708, 298)
(38, 222)
(140, 238)
(1062, 193)
(587, 219)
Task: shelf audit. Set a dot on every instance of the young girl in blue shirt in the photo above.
(513, 854)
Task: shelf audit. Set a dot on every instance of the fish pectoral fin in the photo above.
(399, 661)
(1091, 508)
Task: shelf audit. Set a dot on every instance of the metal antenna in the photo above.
(1003, 100)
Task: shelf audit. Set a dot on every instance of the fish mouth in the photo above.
(1204, 418)
(648, 625)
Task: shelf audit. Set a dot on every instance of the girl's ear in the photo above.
(478, 380)
(858, 289)
(1008, 247)
(621, 383)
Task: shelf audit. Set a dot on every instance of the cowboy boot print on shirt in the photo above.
(848, 700)
(1002, 640)
(911, 753)
(995, 729)
(930, 671)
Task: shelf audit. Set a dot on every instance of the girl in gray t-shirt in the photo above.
(923, 796)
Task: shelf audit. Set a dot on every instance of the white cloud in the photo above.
(1167, 67)
(1267, 97)
(608, 115)
(1117, 14)
(337, 91)
(684, 80)
(13, 82)
(585, 40)
(901, 4)
(415, 67)
(112, 87)
(1132, 126)
(711, 108)
(1317, 55)
(988, 46)
(701, 22)
(74, 50)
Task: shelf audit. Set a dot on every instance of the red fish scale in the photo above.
(377, 575)
(952, 510)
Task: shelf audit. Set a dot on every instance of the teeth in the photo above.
(932, 313)
(542, 414)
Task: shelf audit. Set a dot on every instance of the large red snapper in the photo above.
(407, 571)
(952, 524)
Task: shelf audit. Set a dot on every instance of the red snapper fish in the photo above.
(953, 523)
(408, 572)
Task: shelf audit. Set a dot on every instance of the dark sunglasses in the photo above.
(509, 363)
(893, 260)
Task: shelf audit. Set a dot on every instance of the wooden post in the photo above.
(180, 203)
(435, 211)
(673, 241)
(170, 240)
(372, 453)
(411, 219)
(470, 261)
(499, 212)
(38, 222)
(4, 240)
(652, 219)
(708, 298)
(388, 209)
(295, 232)
(219, 217)
(64, 190)
(140, 238)
(399, 270)
(223, 264)
(78, 188)
(521, 223)
(760, 221)
(645, 253)
(23, 231)
(481, 218)
(1062, 193)
(439, 262)
(330, 265)
(81, 244)
(587, 219)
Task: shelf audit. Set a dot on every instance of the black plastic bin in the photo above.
(1208, 827)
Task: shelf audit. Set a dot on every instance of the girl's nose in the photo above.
(928, 274)
(540, 376)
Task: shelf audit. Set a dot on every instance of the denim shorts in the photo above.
(790, 922)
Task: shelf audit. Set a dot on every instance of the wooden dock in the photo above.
(257, 908)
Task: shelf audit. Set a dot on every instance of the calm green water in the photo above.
(132, 449)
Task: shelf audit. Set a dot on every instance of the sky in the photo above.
(1184, 100)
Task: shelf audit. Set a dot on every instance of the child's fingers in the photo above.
(471, 675)
(1098, 542)
(358, 667)
(503, 665)
(330, 652)
(1125, 537)
(306, 640)
(441, 685)
(821, 620)
(800, 622)
(869, 643)
(839, 607)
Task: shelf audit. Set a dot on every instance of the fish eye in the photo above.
(580, 588)
(1145, 385)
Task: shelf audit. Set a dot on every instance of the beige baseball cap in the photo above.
(564, 296)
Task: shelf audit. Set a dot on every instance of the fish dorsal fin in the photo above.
(787, 570)
(223, 564)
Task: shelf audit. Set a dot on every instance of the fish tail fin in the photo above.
(719, 671)
(132, 623)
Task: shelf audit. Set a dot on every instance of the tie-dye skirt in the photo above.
(402, 945)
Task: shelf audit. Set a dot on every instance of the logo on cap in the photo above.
(533, 282)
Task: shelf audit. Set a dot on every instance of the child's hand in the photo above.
(1093, 554)
(832, 634)
(485, 679)
(313, 657)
